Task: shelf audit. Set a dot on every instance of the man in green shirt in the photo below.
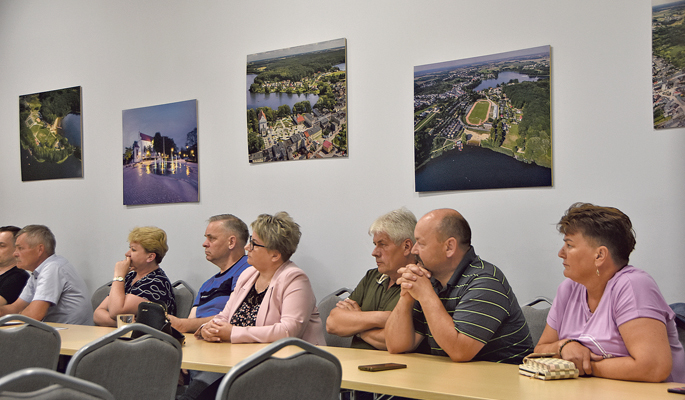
(364, 312)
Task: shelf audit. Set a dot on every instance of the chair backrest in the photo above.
(310, 374)
(100, 294)
(325, 306)
(185, 297)
(679, 309)
(536, 319)
(31, 344)
(25, 384)
(143, 368)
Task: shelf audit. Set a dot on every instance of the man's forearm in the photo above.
(375, 337)
(189, 325)
(400, 326)
(347, 323)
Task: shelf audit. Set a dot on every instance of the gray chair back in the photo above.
(185, 297)
(41, 383)
(310, 374)
(536, 318)
(31, 344)
(143, 368)
(100, 294)
(325, 306)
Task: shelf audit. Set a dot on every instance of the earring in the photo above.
(597, 271)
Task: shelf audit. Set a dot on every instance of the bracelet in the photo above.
(565, 343)
(118, 279)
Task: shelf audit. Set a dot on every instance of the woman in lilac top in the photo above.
(608, 317)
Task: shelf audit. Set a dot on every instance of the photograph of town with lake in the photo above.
(50, 135)
(668, 63)
(160, 154)
(297, 103)
(483, 122)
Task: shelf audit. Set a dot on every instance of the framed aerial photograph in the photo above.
(50, 135)
(297, 103)
(160, 158)
(668, 64)
(483, 122)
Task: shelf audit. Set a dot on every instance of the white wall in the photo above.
(129, 54)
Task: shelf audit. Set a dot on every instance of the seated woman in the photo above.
(272, 299)
(138, 278)
(608, 317)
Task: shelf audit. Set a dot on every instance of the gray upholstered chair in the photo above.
(536, 318)
(143, 368)
(185, 297)
(27, 345)
(325, 306)
(45, 384)
(100, 294)
(310, 374)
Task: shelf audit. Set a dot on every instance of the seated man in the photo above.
(55, 292)
(225, 239)
(12, 279)
(226, 236)
(365, 311)
(455, 304)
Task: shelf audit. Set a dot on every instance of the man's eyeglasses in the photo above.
(253, 244)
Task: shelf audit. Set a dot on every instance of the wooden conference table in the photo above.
(426, 377)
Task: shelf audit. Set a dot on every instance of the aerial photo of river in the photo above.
(479, 168)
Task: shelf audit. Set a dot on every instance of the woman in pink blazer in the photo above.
(272, 299)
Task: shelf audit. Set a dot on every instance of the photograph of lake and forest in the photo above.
(668, 63)
(483, 122)
(50, 135)
(160, 154)
(297, 103)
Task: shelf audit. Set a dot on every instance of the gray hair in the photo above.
(39, 234)
(279, 232)
(397, 224)
(234, 225)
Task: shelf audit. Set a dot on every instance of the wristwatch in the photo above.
(118, 278)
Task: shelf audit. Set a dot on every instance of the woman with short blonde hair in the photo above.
(138, 278)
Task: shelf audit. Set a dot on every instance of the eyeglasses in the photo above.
(253, 244)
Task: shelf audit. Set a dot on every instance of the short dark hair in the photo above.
(233, 224)
(455, 225)
(10, 228)
(605, 226)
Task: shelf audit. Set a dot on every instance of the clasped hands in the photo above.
(581, 356)
(415, 281)
(216, 330)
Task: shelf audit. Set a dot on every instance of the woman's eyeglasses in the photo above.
(253, 244)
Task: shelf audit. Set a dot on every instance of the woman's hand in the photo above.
(121, 268)
(217, 330)
(580, 355)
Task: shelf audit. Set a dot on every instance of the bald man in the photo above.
(453, 303)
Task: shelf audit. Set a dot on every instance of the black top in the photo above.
(246, 314)
(12, 283)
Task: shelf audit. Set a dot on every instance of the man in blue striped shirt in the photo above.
(453, 303)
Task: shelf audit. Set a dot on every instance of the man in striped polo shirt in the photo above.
(453, 303)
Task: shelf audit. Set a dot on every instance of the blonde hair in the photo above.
(152, 239)
(278, 232)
